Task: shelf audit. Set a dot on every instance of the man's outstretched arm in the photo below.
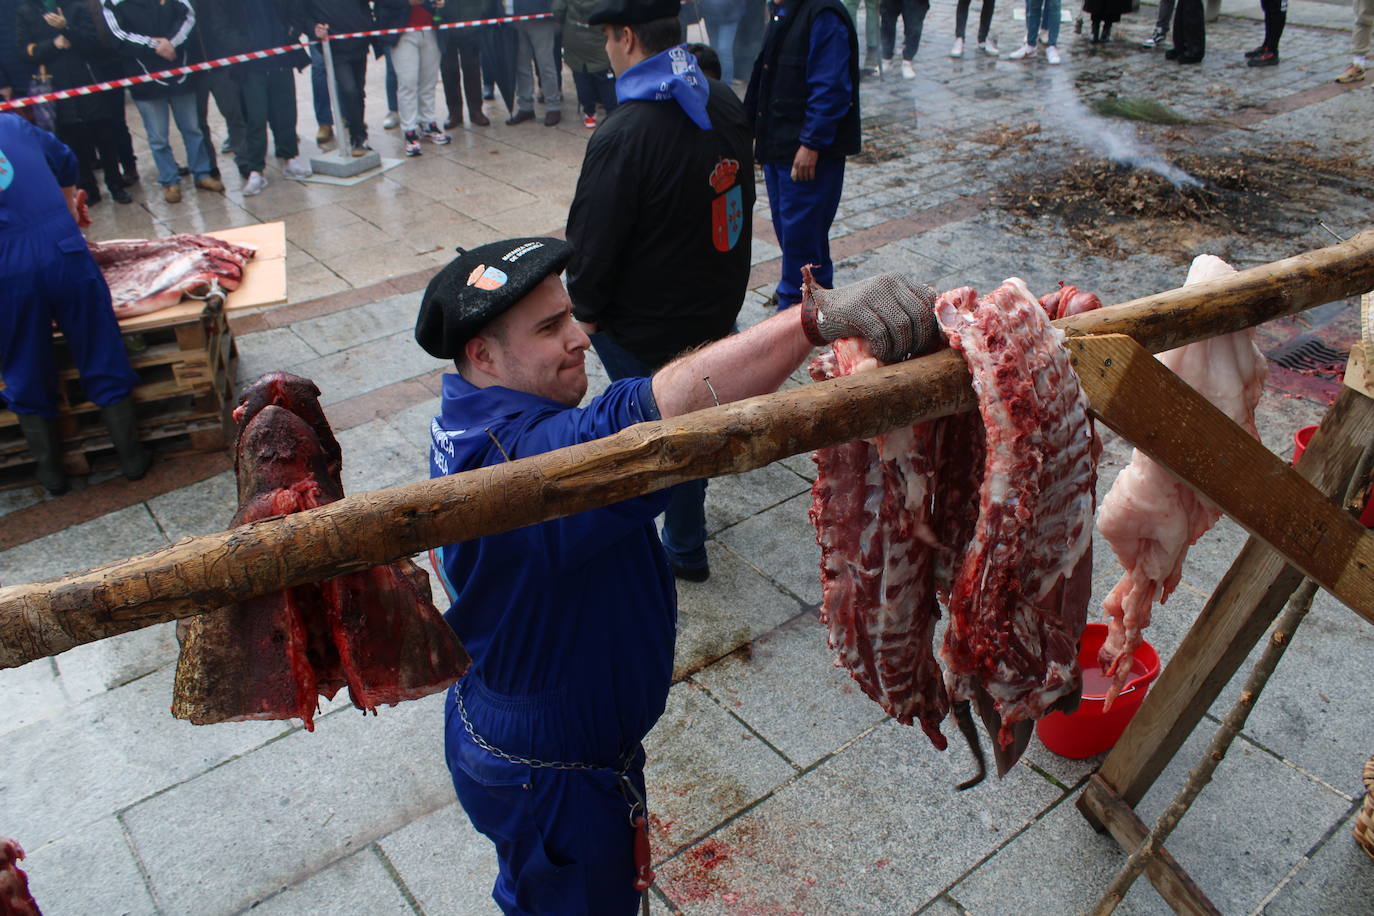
(889, 311)
(754, 361)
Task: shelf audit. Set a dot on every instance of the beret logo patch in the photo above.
(484, 277)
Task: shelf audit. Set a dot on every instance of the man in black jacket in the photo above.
(154, 35)
(661, 222)
(64, 40)
(267, 89)
(350, 59)
(803, 103)
(14, 70)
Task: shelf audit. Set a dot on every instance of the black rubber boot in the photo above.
(122, 423)
(45, 445)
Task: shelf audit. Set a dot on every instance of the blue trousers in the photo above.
(684, 521)
(1042, 13)
(563, 840)
(802, 214)
(46, 279)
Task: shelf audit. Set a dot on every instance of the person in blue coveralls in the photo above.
(47, 275)
(571, 623)
(803, 103)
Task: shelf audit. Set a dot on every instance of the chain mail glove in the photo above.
(893, 313)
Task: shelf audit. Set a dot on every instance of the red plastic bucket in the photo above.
(1089, 730)
(1300, 440)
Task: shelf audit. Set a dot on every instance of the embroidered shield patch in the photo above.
(727, 218)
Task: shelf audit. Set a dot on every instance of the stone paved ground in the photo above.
(777, 788)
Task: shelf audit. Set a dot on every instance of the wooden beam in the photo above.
(1236, 616)
(1179, 890)
(203, 573)
(1136, 395)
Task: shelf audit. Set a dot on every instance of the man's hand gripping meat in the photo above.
(894, 314)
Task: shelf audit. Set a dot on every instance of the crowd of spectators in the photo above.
(57, 44)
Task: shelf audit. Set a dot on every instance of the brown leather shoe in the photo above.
(171, 193)
(453, 121)
(479, 120)
(209, 183)
(520, 117)
(552, 117)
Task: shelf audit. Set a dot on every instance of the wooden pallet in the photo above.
(185, 395)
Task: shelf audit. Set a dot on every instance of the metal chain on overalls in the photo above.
(644, 874)
(530, 761)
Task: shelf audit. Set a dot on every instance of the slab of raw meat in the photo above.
(146, 275)
(15, 899)
(871, 509)
(1018, 600)
(375, 631)
(1150, 517)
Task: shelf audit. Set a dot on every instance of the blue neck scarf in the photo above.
(671, 74)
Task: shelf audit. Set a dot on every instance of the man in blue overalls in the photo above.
(803, 103)
(47, 275)
(571, 623)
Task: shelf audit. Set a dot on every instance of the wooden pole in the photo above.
(199, 574)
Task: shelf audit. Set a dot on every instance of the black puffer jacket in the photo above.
(344, 16)
(136, 24)
(75, 65)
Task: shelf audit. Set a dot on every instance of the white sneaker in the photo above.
(296, 168)
(1052, 55)
(958, 49)
(391, 120)
(989, 48)
(886, 65)
(908, 71)
(254, 185)
(1022, 53)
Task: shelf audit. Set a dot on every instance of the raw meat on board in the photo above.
(146, 275)
(1150, 517)
(375, 631)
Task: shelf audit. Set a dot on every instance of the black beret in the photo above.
(634, 12)
(481, 284)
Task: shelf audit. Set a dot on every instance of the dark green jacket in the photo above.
(584, 46)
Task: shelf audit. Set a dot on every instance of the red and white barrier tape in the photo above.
(122, 82)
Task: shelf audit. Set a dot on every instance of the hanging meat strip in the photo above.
(871, 509)
(1018, 600)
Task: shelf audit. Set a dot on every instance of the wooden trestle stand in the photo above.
(1298, 530)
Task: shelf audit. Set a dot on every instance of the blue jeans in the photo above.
(319, 87)
(723, 42)
(684, 521)
(183, 108)
(1038, 13)
(802, 214)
